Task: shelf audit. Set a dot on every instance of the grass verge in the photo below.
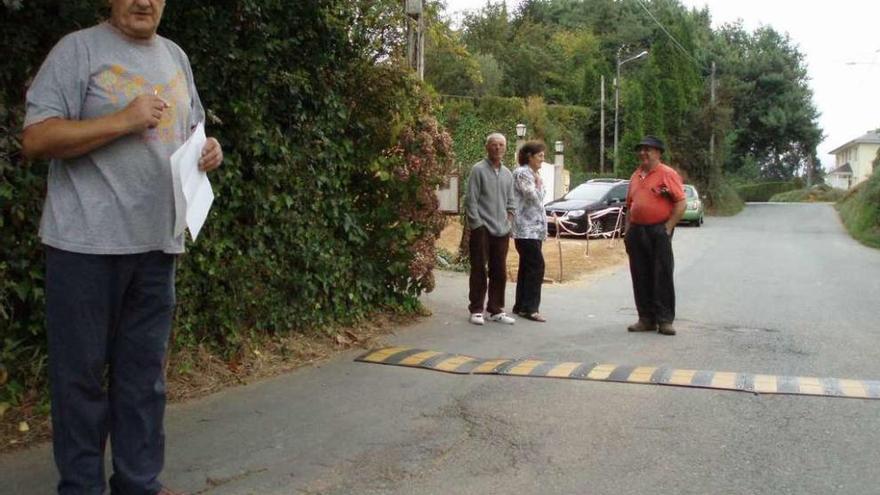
(819, 193)
(860, 211)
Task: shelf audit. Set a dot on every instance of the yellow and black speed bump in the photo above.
(721, 380)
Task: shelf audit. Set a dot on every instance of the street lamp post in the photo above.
(558, 167)
(617, 97)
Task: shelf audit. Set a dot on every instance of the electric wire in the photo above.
(671, 37)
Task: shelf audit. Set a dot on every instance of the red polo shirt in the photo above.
(645, 202)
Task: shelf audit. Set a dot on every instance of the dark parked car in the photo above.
(581, 210)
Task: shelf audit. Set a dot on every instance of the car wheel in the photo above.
(699, 221)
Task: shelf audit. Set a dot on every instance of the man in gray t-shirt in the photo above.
(109, 106)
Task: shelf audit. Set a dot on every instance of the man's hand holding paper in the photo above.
(193, 195)
(212, 155)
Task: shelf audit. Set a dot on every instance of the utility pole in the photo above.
(415, 35)
(712, 123)
(616, 105)
(809, 170)
(602, 126)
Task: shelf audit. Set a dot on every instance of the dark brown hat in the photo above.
(651, 141)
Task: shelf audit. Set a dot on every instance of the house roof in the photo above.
(844, 169)
(871, 137)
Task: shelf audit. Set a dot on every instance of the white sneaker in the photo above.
(502, 318)
(477, 318)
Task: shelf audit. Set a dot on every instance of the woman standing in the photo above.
(529, 229)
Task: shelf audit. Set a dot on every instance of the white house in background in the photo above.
(853, 161)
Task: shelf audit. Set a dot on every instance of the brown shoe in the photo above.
(642, 326)
(667, 329)
(167, 491)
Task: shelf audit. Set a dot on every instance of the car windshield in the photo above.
(591, 191)
(690, 192)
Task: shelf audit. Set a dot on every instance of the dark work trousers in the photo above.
(108, 320)
(651, 265)
(488, 250)
(529, 276)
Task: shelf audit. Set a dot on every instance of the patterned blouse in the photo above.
(529, 218)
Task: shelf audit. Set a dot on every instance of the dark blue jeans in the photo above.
(108, 319)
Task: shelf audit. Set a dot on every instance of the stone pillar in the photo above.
(559, 167)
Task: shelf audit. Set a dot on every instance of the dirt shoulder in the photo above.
(567, 260)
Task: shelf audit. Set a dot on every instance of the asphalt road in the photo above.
(778, 289)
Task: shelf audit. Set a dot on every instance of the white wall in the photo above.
(838, 182)
(448, 196)
(548, 176)
(863, 166)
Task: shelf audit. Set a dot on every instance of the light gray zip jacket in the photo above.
(489, 198)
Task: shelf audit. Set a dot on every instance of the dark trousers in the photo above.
(108, 319)
(487, 250)
(651, 265)
(530, 275)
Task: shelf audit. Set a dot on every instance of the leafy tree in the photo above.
(488, 30)
(774, 115)
(449, 67)
(529, 71)
(491, 75)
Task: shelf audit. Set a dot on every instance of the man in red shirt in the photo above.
(655, 203)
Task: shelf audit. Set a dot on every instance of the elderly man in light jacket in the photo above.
(489, 205)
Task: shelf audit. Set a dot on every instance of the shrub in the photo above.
(860, 211)
(817, 193)
(724, 200)
(765, 190)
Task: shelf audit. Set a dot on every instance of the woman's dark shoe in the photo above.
(534, 316)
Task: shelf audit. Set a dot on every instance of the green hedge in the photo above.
(725, 200)
(325, 210)
(470, 120)
(817, 193)
(765, 190)
(860, 211)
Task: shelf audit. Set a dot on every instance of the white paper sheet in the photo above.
(193, 195)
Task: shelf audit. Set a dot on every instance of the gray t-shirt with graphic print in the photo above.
(117, 199)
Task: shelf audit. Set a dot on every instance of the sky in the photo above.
(831, 35)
